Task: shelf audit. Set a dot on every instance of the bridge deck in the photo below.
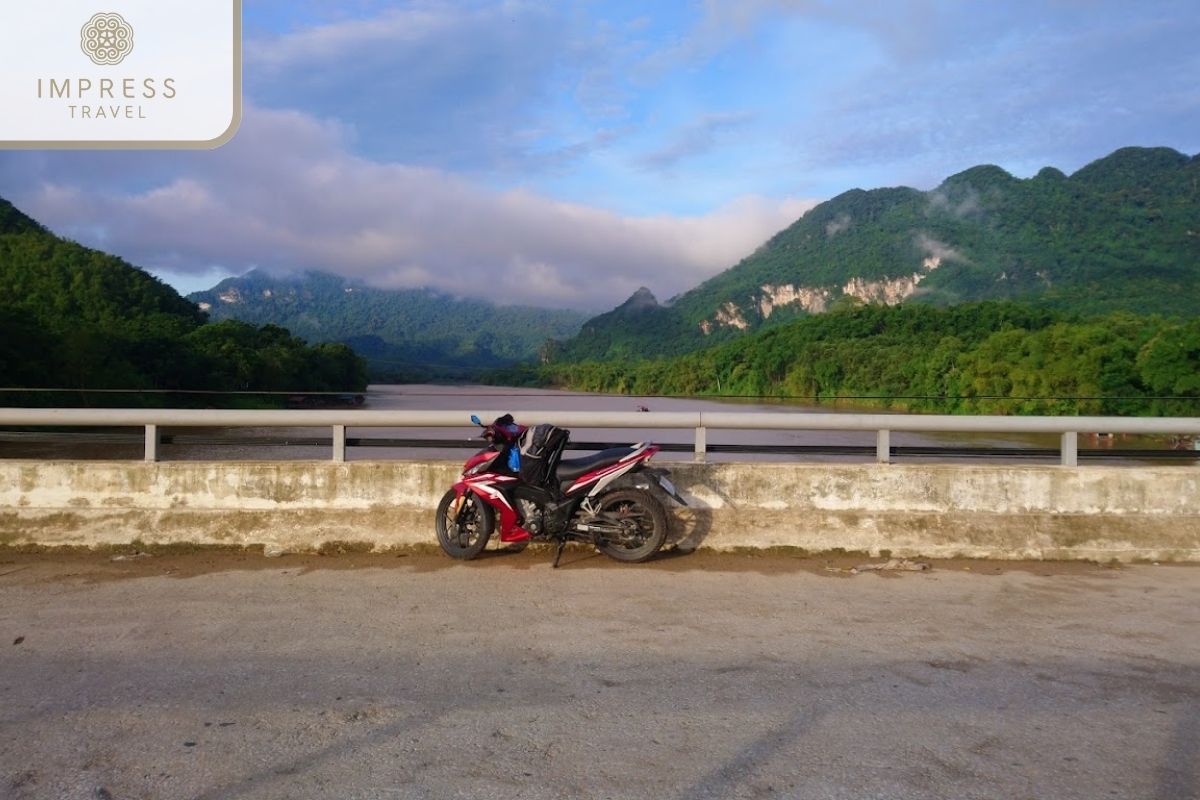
(358, 676)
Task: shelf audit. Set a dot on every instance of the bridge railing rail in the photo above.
(338, 420)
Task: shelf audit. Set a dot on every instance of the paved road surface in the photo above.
(228, 676)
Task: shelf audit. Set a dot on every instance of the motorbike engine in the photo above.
(531, 516)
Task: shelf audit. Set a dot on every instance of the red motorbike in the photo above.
(609, 499)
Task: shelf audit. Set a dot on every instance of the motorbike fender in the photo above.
(650, 478)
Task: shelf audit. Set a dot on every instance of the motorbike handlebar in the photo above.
(499, 429)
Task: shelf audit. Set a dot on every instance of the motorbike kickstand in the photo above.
(558, 553)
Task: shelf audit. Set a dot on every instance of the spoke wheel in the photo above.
(636, 523)
(466, 535)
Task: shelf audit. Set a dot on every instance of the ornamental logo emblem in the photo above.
(106, 38)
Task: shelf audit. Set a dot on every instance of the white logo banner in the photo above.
(120, 73)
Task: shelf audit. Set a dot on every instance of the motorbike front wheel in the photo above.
(466, 535)
(636, 523)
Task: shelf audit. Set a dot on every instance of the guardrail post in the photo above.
(1070, 449)
(339, 443)
(701, 443)
(152, 443)
(883, 446)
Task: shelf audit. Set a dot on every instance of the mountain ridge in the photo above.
(78, 319)
(405, 334)
(1121, 233)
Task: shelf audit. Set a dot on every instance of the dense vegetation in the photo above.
(1121, 234)
(637, 328)
(79, 319)
(992, 357)
(406, 335)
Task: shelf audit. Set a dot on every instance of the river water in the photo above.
(240, 444)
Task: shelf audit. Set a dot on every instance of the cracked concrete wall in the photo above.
(993, 511)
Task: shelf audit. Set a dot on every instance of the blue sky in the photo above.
(568, 152)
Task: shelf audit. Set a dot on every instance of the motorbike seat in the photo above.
(570, 469)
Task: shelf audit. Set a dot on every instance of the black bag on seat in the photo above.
(541, 446)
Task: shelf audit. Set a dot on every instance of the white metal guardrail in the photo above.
(338, 420)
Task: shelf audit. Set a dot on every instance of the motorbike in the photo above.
(610, 499)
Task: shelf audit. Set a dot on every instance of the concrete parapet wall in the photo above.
(989, 511)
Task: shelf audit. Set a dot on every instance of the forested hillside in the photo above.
(992, 358)
(1121, 234)
(405, 334)
(76, 318)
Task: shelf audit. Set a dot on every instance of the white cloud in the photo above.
(927, 88)
(694, 139)
(288, 195)
(837, 225)
(934, 249)
(1023, 85)
(332, 41)
(481, 87)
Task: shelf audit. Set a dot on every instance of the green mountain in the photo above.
(1122, 233)
(990, 358)
(79, 319)
(405, 334)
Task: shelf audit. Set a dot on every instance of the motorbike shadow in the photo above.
(499, 551)
(689, 527)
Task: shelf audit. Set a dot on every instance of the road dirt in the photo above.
(187, 561)
(224, 674)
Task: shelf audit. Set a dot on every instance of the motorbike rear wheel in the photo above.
(640, 523)
(465, 536)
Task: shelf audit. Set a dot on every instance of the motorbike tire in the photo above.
(644, 511)
(467, 536)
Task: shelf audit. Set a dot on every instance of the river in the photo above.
(240, 444)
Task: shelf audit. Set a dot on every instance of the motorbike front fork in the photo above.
(510, 530)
